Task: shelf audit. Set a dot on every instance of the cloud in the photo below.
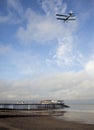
(15, 5)
(67, 85)
(40, 32)
(14, 13)
(70, 85)
(89, 67)
(64, 52)
(53, 7)
(42, 27)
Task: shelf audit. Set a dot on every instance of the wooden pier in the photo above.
(32, 106)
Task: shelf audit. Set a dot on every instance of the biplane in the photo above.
(65, 18)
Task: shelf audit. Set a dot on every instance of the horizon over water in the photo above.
(83, 113)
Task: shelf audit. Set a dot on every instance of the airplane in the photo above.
(66, 18)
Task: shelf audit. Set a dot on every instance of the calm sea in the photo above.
(79, 113)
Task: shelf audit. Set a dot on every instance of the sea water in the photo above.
(79, 113)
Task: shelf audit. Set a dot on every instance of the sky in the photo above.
(43, 58)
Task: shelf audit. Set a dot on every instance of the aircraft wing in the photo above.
(61, 15)
(60, 19)
(71, 19)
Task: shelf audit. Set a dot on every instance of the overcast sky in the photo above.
(43, 58)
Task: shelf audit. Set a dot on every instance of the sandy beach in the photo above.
(21, 120)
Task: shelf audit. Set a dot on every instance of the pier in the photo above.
(32, 106)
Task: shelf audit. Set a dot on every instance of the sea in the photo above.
(83, 113)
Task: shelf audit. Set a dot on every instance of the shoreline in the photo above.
(21, 120)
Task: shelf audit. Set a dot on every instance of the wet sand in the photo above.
(28, 120)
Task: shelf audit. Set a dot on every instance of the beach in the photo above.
(22, 120)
